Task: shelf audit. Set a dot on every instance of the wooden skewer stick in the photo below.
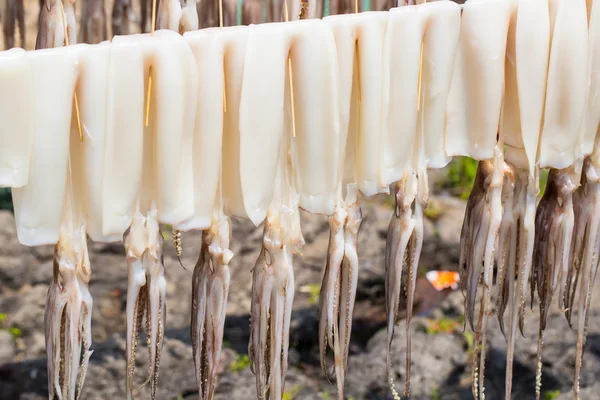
(420, 75)
(153, 25)
(359, 91)
(68, 43)
(224, 82)
(287, 19)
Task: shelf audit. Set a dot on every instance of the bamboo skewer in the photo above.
(153, 26)
(287, 19)
(68, 43)
(420, 74)
(220, 26)
(359, 91)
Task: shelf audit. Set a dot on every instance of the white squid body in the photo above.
(17, 111)
(359, 41)
(216, 133)
(262, 123)
(162, 151)
(38, 222)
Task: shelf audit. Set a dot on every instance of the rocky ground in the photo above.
(441, 368)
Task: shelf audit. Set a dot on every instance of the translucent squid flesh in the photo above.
(402, 253)
(146, 293)
(584, 259)
(517, 239)
(271, 307)
(553, 229)
(336, 302)
(479, 235)
(210, 287)
(68, 318)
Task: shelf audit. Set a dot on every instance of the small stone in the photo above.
(7, 347)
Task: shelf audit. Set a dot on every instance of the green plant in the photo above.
(441, 325)
(543, 181)
(470, 342)
(313, 290)
(434, 394)
(432, 212)
(461, 175)
(241, 362)
(290, 394)
(551, 394)
(16, 332)
(165, 231)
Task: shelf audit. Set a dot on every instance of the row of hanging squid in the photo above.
(191, 127)
(97, 21)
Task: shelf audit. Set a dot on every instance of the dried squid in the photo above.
(51, 28)
(474, 108)
(93, 22)
(69, 304)
(583, 262)
(213, 50)
(413, 117)
(149, 186)
(69, 301)
(294, 164)
(13, 13)
(359, 45)
(566, 92)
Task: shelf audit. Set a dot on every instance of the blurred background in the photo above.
(441, 348)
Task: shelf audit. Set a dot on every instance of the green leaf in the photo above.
(551, 394)
(241, 362)
(15, 332)
(290, 394)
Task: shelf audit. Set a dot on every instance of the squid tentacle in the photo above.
(272, 299)
(146, 295)
(68, 318)
(553, 230)
(584, 262)
(210, 290)
(400, 231)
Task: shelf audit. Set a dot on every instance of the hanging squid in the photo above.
(146, 183)
(413, 121)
